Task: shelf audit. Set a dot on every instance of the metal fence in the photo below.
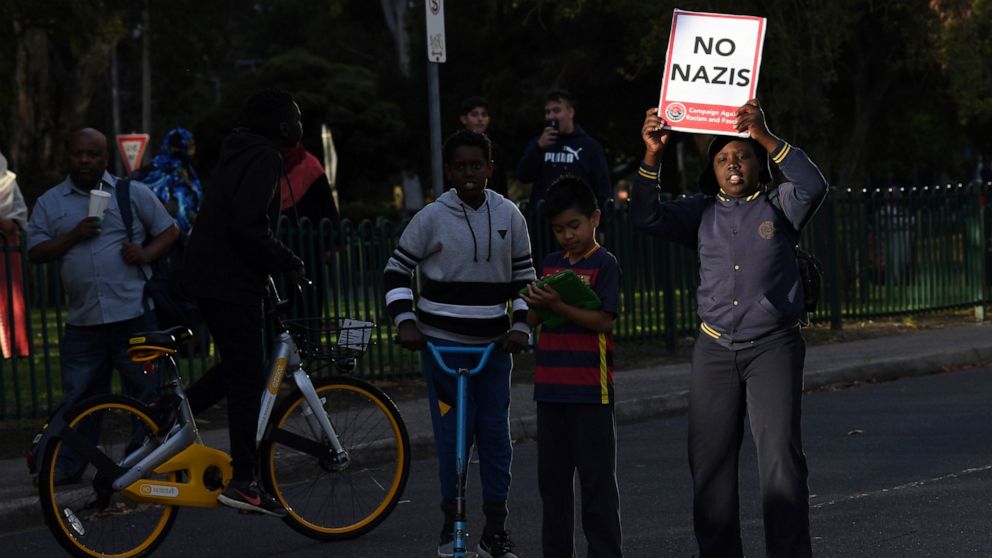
(884, 252)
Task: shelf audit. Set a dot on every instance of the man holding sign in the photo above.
(749, 356)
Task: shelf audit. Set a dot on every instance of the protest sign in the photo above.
(711, 69)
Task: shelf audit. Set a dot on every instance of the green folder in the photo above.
(573, 290)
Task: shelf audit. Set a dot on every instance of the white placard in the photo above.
(711, 69)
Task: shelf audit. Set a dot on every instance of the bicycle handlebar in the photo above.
(484, 352)
(278, 304)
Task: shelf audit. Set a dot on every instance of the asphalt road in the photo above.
(900, 469)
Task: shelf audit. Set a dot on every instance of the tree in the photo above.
(61, 53)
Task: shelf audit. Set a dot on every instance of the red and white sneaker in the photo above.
(247, 496)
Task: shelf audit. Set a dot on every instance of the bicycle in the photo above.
(461, 451)
(335, 453)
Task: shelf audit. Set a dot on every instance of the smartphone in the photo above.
(552, 124)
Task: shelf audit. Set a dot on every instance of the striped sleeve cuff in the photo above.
(648, 172)
(400, 318)
(521, 326)
(781, 151)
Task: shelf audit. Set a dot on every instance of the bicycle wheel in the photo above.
(87, 517)
(327, 501)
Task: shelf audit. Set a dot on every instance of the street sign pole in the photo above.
(434, 98)
(436, 54)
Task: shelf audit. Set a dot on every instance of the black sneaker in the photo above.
(446, 547)
(247, 496)
(498, 545)
(446, 543)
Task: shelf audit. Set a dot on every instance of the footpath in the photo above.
(642, 394)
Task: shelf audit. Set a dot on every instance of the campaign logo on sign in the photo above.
(675, 112)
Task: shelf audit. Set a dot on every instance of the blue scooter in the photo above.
(461, 451)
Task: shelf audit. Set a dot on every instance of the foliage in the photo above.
(878, 92)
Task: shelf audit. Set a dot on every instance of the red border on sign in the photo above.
(663, 101)
(143, 138)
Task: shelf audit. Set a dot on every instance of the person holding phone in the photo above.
(563, 147)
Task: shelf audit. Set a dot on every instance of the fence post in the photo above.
(668, 290)
(832, 264)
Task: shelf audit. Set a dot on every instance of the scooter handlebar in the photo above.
(484, 352)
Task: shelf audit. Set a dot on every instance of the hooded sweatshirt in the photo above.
(471, 261)
(233, 248)
(576, 154)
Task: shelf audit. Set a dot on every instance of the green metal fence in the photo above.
(884, 252)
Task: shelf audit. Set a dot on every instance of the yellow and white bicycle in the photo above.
(335, 452)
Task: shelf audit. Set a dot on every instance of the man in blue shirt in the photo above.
(103, 274)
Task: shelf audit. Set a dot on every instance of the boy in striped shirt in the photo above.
(573, 382)
(473, 254)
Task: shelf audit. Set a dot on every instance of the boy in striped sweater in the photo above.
(573, 382)
(473, 252)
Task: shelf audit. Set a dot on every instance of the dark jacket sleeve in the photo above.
(676, 220)
(251, 219)
(497, 182)
(599, 177)
(806, 188)
(529, 168)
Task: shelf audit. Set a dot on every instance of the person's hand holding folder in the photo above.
(551, 298)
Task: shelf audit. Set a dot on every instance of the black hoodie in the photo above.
(233, 248)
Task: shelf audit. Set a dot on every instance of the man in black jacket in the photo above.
(232, 251)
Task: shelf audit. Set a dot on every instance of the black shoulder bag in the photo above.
(810, 269)
(173, 306)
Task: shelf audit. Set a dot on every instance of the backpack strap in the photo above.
(123, 192)
(773, 198)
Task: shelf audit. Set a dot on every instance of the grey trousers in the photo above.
(763, 383)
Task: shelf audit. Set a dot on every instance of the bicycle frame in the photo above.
(461, 408)
(183, 449)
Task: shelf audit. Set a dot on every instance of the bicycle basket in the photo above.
(332, 338)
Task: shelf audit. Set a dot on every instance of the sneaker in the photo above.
(498, 545)
(247, 496)
(446, 548)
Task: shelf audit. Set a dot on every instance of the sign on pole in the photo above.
(436, 54)
(132, 148)
(711, 69)
(436, 50)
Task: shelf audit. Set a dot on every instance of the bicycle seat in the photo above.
(150, 345)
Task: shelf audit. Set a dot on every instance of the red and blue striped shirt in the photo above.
(574, 364)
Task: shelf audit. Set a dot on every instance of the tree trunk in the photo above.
(394, 12)
(53, 97)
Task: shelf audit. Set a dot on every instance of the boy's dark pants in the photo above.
(765, 382)
(579, 437)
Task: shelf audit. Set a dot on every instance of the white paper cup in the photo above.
(99, 200)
